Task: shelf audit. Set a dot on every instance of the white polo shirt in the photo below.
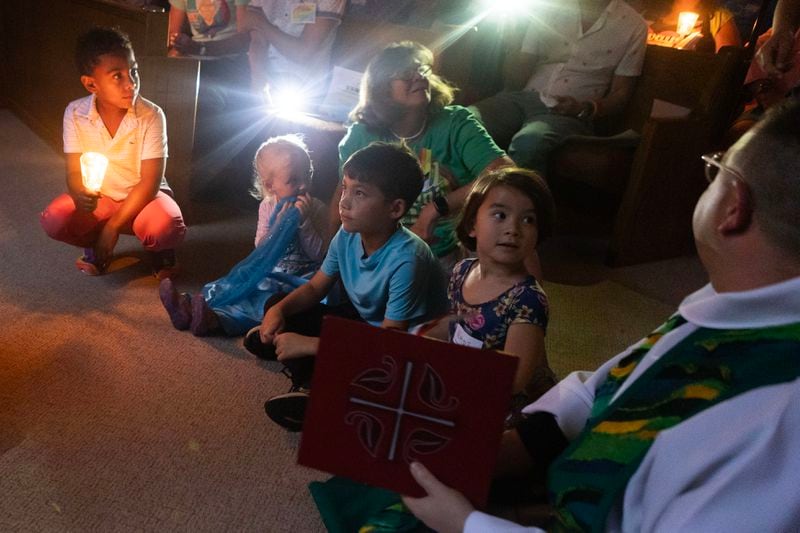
(142, 134)
(582, 65)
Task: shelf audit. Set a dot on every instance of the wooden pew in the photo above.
(656, 182)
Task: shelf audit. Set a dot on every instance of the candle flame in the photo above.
(93, 170)
(686, 22)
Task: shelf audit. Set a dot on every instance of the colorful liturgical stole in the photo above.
(381, 399)
(707, 367)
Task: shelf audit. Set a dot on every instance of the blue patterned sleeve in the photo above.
(531, 306)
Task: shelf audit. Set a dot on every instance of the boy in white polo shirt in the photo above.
(131, 132)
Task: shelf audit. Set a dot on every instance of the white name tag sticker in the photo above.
(304, 13)
(461, 337)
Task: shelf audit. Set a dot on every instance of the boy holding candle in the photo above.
(130, 131)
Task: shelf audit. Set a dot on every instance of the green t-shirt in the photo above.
(453, 150)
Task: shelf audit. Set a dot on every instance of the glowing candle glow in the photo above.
(93, 170)
(686, 22)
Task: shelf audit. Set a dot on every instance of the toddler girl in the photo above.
(496, 303)
(289, 248)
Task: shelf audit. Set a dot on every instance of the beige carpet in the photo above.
(110, 420)
(589, 324)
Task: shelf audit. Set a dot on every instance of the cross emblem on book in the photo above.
(431, 406)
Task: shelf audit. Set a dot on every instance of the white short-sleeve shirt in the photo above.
(142, 134)
(582, 65)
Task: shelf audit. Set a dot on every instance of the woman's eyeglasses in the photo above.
(408, 74)
(714, 165)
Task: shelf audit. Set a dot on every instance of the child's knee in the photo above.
(162, 233)
(56, 216)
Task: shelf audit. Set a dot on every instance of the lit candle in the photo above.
(686, 22)
(93, 170)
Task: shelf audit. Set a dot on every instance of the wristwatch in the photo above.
(441, 205)
(587, 111)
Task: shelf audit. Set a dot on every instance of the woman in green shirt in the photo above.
(403, 100)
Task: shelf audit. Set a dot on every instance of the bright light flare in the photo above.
(93, 170)
(289, 101)
(506, 9)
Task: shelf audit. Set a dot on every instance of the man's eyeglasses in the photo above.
(408, 74)
(714, 165)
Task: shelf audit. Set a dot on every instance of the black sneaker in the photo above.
(288, 410)
(164, 264)
(252, 343)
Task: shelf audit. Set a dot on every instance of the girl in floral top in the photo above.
(497, 304)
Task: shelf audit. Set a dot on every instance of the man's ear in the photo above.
(738, 209)
(88, 83)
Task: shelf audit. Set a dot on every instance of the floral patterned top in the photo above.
(488, 322)
(486, 325)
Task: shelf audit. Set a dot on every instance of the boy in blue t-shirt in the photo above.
(390, 275)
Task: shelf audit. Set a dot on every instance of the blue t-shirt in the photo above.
(402, 280)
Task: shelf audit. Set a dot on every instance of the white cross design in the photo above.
(400, 411)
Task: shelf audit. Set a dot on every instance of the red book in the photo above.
(381, 399)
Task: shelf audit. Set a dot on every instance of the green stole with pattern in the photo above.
(707, 367)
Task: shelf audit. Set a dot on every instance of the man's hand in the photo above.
(567, 105)
(443, 509)
(423, 227)
(184, 44)
(271, 325)
(85, 200)
(775, 55)
(293, 345)
(105, 244)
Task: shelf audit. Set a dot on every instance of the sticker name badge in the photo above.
(460, 336)
(304, 13)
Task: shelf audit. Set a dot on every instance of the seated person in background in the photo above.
(289, 248)
(713, 20)
(767, 89)
(215, 26)
(775, 56)
(581, 59)
(132, 133)
(695, 428)
(290, 44)
(217, 38)
(402, 99)
(389, 274)
(495, 303)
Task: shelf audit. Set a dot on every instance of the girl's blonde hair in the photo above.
(291, 144)
(375, 106)
(527, 182)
